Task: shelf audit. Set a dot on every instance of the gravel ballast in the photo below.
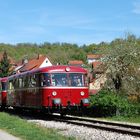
(83, 133)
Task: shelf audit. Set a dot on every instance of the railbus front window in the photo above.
(62, 79)
(77, 79)
(59, 79)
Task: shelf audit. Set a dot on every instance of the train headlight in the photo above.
(82, 93)
(67, 69)
(54, 93)
(56, 101)
(85, 101)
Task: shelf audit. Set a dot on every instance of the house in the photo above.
(39, 62)
(97, 67)
(97, 84)
(97, 75)
(93, 57)
(78, 63)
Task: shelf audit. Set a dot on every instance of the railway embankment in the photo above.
(59, 127)
(15, 128)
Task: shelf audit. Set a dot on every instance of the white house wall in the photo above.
(46, 63)
(91, 61)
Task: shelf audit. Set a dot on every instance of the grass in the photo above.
(131, 119)
(30, 131)
(27, 131)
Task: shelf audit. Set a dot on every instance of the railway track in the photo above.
(122, 128)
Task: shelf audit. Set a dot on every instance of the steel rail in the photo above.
(102, 125)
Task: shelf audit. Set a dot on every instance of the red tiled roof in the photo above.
(34, 63)
(98, 67)
(96, 64)
(94, 56)
(76, 62)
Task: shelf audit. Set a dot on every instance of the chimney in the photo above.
(39, 55)
(24, 61)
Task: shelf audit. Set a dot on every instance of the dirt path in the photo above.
(6, 136)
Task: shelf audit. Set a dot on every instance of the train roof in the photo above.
(53, 69)
(63, 68)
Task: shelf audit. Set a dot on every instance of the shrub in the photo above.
(107, 103)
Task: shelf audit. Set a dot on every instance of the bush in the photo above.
(107, 103)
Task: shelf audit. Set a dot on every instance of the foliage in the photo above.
(4, 65)
(122, 61)
(107, 103)
(57, 52)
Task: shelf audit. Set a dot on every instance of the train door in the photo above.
(61, 87)
(4, 92)
(78, 87)
(0, 94)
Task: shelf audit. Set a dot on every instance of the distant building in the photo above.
(97, 67)
(97, 84)
(97, 75)
(39, 62)
(78, 63)
(93, 57)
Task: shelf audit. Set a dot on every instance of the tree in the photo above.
(122, 62)
(4, 65)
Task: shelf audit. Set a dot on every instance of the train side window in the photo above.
(25, 81)
(45, 79)
(37, 79)
(32, 81)
(20, 82)
(16, 83)
(11, 85)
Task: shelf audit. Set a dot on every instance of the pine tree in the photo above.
(4, 65)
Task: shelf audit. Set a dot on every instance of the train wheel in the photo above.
(2, 108)
(63, 112)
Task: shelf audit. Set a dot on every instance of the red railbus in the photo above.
(54, 88)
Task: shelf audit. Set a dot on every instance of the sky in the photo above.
(70, 21)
